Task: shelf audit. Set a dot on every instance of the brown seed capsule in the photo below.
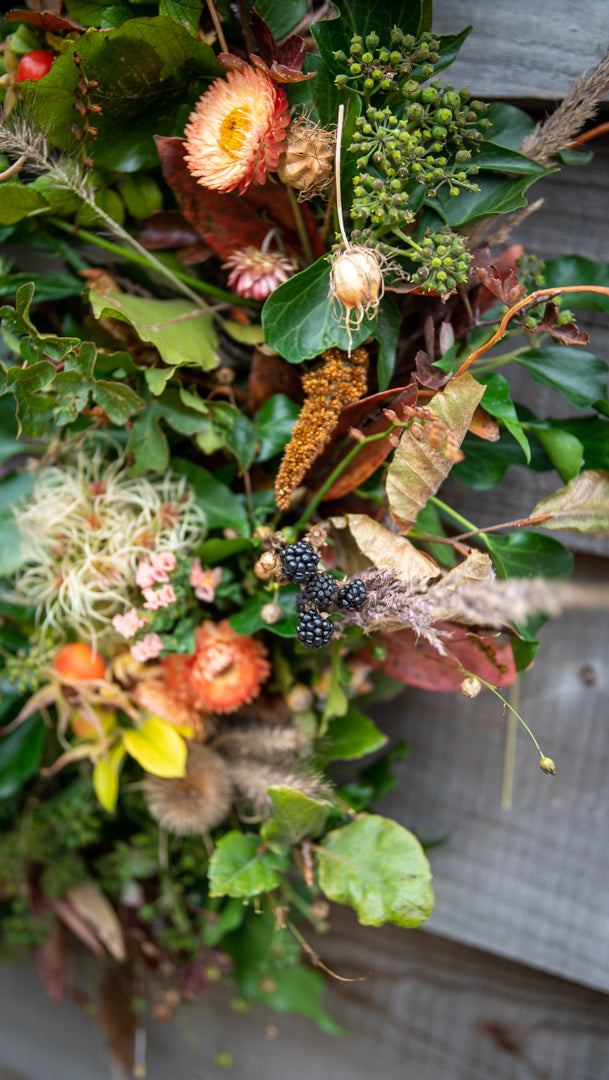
(306, 163)
(357, 283)
(270, 613)
(299, 698)
(195, 802)
(266, 566)
(471, 687)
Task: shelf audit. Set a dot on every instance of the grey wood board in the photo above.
(428, 1010)
(519, 50)
(530, 883)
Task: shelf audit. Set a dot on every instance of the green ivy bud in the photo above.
(367, 58)
(355, 69)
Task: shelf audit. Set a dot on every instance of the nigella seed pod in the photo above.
(307, 161)
(356, 282)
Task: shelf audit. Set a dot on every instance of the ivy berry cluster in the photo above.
(372, 66)
(320, 592)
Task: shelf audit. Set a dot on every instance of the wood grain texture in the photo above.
(529, 883)
(429, 1010)
(519, 50)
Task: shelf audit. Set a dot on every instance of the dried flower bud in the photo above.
(299, 698)
(306, 163)
(356, 281)
(266, 566)
(270, 613)
(256, 273)
(547, 765)
(471, 687)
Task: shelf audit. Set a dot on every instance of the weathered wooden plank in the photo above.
(529, 883)
(429, 1010)
(517, 50)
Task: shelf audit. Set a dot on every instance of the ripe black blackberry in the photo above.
(299, 561)
(313, 631)
(321, 591)
(352, 596)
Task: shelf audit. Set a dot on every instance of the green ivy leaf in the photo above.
(509, 125)
(150, 72)
(498, 403)
(578, 375)
(18, 201)
(387, 332)
(362, 17)
(282, 18)
(186, 13)
(350, 736)
(497, 195)
(249, 620)
(576, 270)
(296, 816)
(564, 450)
(181, 331)
(528, 554)
(300, 319)
(238, 866)
(380, 869)
(274, 422)
(20, 753)
(222, 508)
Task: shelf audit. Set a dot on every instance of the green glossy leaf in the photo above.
(578, 375)
(380, 869)
(217, 549)
(181, 332)
(350, 736)
(576, 270)
(528, 554)
(249, 620)
(300, 319)
(486, 463)
(497, 195)
(497, 158)
(510, 126)
(187, 13)
(592, 432)
(564, 450)
(222, 508)
(299, 990)
(450, 45)
(20, 754)
(150, 71)
(274, 422)
(362, 17)
(282, 18)
(19, 201)
(498, 403)
(240, 866)
(296, 816)
(387, 332)
(13, 489)
(148, 444)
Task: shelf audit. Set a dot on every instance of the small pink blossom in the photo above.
(147, 649)
(163, 562)
(159, 598)
(145, 576)
(128, 624)
(204, 582)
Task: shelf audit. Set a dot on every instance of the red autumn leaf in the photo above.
(367, 415)
(417, 663)
(427, 375)
(45, 20)
(271, 375)
(568, 334)
(167, 229)
(502, 283)
(282, 63)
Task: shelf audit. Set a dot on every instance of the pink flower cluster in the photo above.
(129, 623)
(156, 571)
(204, 582)
(148, 648)
(159, 598)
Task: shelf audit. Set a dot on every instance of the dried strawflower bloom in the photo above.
(237, 131)
(255, 273)
(356, 282)
(193, 803)
(84, 530)
(228, 669)
(337, 382)
(307, 161)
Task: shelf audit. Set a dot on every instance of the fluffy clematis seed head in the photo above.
(236, 133)
(254, 274)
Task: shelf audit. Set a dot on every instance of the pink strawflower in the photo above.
(159, 598)
(237, 131)
(204, 582)
(254, 274)
(147, 649)
(128, 624)
(163, 562)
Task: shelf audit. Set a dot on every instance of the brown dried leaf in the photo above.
(568, 334)
(49, 21)
(93, 907)
(417, 469)
(581, 506)
(484, 425)
(427, 375)
(502, 282)
(387, 550)
(117, 1016)
(51, 963)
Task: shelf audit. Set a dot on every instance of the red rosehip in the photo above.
(78, 661)
(34, 65)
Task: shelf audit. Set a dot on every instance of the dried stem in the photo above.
(217, 25)
(339, 194)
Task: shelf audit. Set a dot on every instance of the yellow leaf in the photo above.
(105, 777)
(157, 747)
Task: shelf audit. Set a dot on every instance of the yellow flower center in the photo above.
(234, 131)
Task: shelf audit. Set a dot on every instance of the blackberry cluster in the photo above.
(352, 596)
(299, 562)
(320, 592)
(313, 631)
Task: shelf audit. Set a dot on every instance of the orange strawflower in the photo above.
(229, 668)
(237, 131)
